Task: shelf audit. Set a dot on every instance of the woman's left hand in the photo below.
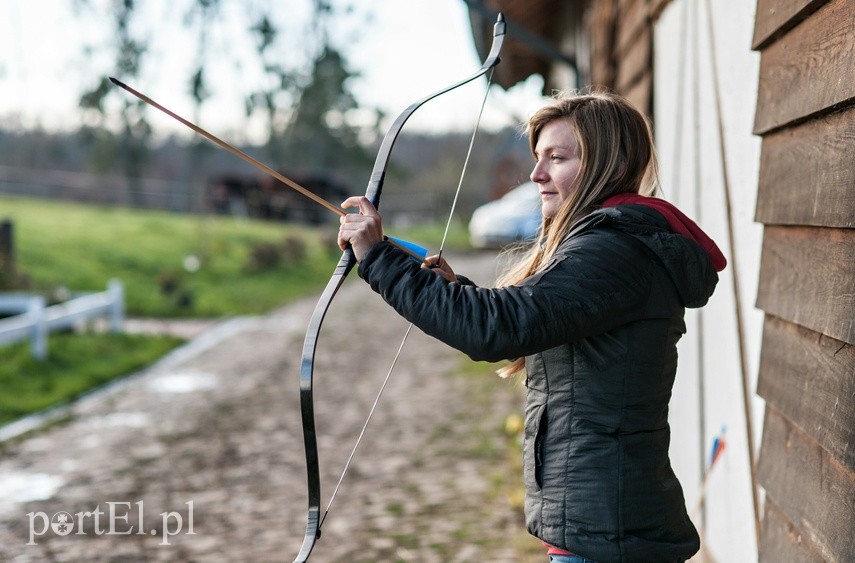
(360, 230)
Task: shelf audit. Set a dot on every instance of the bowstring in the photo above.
(465, 164)
(410, 327)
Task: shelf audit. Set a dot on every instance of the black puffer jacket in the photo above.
(599, 328)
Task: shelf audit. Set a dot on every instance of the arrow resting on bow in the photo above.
(346, 263)
(258, 164)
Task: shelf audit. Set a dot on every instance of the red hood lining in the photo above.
(677, 221)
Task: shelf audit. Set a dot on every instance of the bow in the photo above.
(345, 264)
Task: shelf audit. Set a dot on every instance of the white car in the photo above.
(514, 217)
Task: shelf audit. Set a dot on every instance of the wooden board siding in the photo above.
(633, 48)
(782, 540)
(632, 21)
(809, 70)
(636, 62)
(812, 488)
(808, 378)
(807, 176)
(776, 17)
(807, 277)
(641, 93)
(806, 200)
(600, 22)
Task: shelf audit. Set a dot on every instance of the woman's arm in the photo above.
(597, 280)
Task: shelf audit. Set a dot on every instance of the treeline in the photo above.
(176, 174)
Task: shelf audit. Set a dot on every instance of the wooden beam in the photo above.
(812, 488)
(807, 175)
(776, 17)
(807, 277)
(807, 377)
(809, 70)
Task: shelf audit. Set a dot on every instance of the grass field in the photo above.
(176, 265)
(171, 265)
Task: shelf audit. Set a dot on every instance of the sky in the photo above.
(404, 49)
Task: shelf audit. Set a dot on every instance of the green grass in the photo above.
(81, 247)
(76, 364)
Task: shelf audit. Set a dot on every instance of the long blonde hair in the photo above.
(616, 156)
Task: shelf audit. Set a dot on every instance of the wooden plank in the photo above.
(776, 17)
(809, 70)
(813, 489)
(807, 175)
(635, 61)
(782, 541)
(808, 378)
(640, 94)
(600, 21)
(807, 276)
(632, 19)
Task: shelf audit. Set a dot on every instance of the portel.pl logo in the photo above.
(115, 521)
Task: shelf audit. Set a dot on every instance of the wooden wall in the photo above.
(806, 200)
(621, 37)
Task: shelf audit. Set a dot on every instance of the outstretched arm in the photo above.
(363, 230)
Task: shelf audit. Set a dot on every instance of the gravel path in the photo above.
(215, 429)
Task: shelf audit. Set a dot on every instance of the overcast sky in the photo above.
(407, 50)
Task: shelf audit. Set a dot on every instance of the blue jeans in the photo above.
(569, 559)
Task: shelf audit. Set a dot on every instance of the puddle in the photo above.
(117, 419)
(19, 487)
(183, 382)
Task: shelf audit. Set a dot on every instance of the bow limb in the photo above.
(345, 265)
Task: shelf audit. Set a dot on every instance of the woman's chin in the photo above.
(549, 208)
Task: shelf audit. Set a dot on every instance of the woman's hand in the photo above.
(360, 230)
(363, 230)
(441, 267)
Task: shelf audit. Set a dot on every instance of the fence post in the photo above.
(39, 344)
(7, 251)
(117, 307)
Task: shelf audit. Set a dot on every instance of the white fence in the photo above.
(34, 321)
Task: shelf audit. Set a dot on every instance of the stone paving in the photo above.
(200, 457)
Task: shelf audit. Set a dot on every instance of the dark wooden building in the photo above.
(806, 200)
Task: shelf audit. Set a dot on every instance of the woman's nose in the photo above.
(538, 175)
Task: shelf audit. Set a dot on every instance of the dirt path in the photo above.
(216, 428)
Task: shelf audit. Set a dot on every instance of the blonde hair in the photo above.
(616, 156)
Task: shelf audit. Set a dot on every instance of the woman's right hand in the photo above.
(439, 265)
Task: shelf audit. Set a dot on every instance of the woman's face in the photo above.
(556, 165)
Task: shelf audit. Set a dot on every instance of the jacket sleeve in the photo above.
(596, 281)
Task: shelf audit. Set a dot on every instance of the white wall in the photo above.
(708, 392)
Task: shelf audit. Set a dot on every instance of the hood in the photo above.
(678, 222)
(689, 255)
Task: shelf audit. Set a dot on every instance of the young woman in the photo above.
(591, 316)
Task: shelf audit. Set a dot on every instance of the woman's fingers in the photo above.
(360, 230)
(439, 265)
